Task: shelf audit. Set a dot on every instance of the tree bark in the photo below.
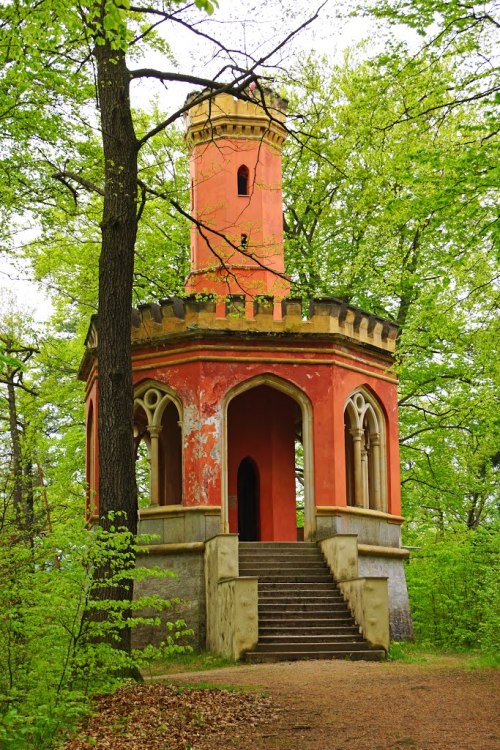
(117, 485)
(117, 491)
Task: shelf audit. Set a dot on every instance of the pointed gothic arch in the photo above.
(365, 437)
(304, 404)
(158, 422)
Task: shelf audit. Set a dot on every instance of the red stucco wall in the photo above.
(261, 426)
(203, 387)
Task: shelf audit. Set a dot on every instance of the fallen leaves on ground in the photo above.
(166, 717)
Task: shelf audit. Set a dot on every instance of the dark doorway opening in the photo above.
(248, 501)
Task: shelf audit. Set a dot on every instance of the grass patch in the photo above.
(483, 661)
(419, 653)
(193, 662)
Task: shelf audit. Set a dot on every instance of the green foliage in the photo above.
(398, 216)
(454, 591)
(59, 640)
(59, 643)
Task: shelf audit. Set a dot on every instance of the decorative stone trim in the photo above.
(378, 551)
(170, 318)
(337, 510)
(223, 116)
(163, 511)
(170, 549)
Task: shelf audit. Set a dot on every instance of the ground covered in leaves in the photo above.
(314, 705)
(166, 717)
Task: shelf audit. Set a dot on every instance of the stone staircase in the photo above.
(302, 613)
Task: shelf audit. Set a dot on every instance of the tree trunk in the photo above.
(117, 492)
(117, 487)
(15, 438)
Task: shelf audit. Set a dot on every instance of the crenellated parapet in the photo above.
(155, 322)
(326, 315)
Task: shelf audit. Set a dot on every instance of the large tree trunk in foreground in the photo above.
(117, 487)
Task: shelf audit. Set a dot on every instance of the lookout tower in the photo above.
(235, 172)
(269, 423)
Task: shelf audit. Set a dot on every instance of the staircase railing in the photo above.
(232, 602)
(367, 597)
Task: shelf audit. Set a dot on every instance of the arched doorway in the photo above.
(268, 420)
(248, 501)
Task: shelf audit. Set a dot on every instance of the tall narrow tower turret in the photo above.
(236, 200)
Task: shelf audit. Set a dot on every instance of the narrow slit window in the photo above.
(243, 175)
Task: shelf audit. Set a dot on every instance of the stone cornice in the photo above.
(227, 117)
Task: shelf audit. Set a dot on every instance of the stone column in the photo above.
(154, 478)
(375, 462)
(365, 478)
(357, 436)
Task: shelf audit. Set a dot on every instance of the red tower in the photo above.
(235, 172)
(260, 420)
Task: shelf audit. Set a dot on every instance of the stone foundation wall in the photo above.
(370, 529)
(176, 524)
(400, 624)
(188, 585)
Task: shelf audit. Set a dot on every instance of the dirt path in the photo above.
(334, 705)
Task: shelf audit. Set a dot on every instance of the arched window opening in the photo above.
(142, 458)
(170, 457)
(349, 459)
(143, 474)
(243, 175)
(299, 479)
(158, 439)
(365, 453)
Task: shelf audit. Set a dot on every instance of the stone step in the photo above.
(319, 644)
(330, 601)
(314, 604)
(263, 657)
(306, 555)
(293, 577)
(334, 616)
(308, 633)
(294, 573)
(292, 563)
(340, 617)
(299, 587)
(285, 551)
(280, 546)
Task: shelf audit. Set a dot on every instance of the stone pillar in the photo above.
(357, 436)
(154, 475)
(376, 478)
(365, 476)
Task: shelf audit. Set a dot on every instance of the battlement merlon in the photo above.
(224, 116)
(325, 316)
